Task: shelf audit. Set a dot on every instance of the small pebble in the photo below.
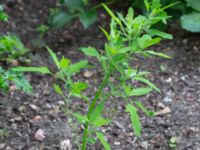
(65, 145)
(168, 80)
(39, 135)
(167, 99)
(34, 107)
(2, 146)
(117, 143)
(61, 102)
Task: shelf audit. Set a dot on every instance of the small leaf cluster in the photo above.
(65, 71)
(42, 29)
(10, 77)
(187, 10)
(11, 47)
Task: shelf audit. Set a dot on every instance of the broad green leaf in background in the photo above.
(43, 70)
(191, 22)
(88, 18)
(138, 78)
(73, 4)
(103, 141)
(59, 19)
(159, 33)
(86, 1)
(54, 57)
(194, 4)
(158, 54)
(135, 120)
(90, 51)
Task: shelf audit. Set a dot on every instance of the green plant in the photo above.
(129, 36)
(42, 28)
(187, 10)
(10, 77)
(191, 20)
(3, 15)
(173, 142)
(11, 48)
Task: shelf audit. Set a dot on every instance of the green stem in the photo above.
(98, 93)
(100, 5)
(85, 136)
(92, 106)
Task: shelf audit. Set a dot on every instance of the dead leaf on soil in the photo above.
(165, 110)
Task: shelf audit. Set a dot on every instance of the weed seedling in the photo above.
(173, 143)
(129, 36)
(3, 133)
(42, 29)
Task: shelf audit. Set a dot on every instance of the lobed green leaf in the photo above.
(90, 51)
